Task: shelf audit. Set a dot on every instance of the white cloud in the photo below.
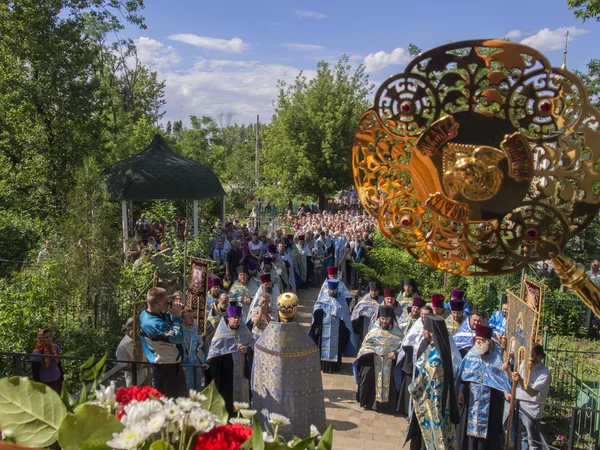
(302, 47)
(245, 88)
(547, 39)
(380, 60)
(155, 53)
(514, 34)
(235, 45)
(303, 14)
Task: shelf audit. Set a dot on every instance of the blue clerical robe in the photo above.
(483, 373)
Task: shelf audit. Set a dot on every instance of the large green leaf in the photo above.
(326, 442)
(89, 428)
(214, 402)
(161, 445)
(32, 411)
(257, 437)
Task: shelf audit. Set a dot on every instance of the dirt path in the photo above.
(354, 427)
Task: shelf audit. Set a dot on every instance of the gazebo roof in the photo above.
(158, 173)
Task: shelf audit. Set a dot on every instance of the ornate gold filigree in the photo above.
(476, 152)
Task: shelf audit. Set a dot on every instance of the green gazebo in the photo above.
(158, 173)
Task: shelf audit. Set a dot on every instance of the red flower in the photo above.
(139, 393)
(228, 437)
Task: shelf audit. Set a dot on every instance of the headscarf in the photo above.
(436, 325)
(46, 349)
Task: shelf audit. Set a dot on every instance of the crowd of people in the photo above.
(440, 364)
(437, 362)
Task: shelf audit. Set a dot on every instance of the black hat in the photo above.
(386, 311)
(373, 286)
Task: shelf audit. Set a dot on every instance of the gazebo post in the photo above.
(223, 210)
(124, 223)
(195, 218)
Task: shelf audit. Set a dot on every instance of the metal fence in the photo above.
(19, 364)
(576, 385)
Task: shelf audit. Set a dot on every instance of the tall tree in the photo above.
(307, 148)
(591, 80)
(49, 86)
(585, 9)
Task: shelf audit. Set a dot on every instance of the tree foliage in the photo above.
(585, 9)
(591, 80)
(307, 147)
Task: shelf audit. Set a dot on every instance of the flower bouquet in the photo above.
(33, 415)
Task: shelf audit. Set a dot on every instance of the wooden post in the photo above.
(195, 218)
(125, 228)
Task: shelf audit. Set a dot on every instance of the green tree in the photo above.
(585, 9)
(414, 50)
(307, 148)
(591, 80)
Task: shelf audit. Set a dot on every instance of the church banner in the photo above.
(196, 291)
(533, 297)
(521, 331)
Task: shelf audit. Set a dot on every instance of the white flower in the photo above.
(186, 404)
(267, 437)
(278, 419)
(240, 421)
(240, 405)
(106, 397)
(140, 412)
(172, 411)
(291, 444)
(156, 423)
(314, 432)
(197, 396)
(203, 421)
(247, 413)
(128, 438)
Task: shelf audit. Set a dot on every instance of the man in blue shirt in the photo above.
(498, 322)
(162, 337)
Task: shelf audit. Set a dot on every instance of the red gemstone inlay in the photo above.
(405, 222)
(405, 108)
(545, 106)
(450, 134)
(532, 233)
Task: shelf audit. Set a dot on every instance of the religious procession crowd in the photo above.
(438, 363)
(442, 365)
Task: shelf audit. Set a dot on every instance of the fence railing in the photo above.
(562, 427)
(19, 364)
(576, 383)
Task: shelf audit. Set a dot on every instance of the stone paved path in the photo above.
(354, 427)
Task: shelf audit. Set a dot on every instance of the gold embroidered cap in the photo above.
(287, 305)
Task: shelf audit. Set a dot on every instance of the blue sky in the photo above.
(226, 57)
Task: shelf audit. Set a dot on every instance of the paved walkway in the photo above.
(354, 427)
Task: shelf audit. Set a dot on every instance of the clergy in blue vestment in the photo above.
(437, 303)
(266, 287)
(331, 327)
(375, 363)
(389, 299)
(498, 322)
(482, 384)
(457, 317)
(463, 338)
(433, 392)
(332, 274)
(364, 313)
(407, 320)
(230, 359)
(192, 350)
(286, 375)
